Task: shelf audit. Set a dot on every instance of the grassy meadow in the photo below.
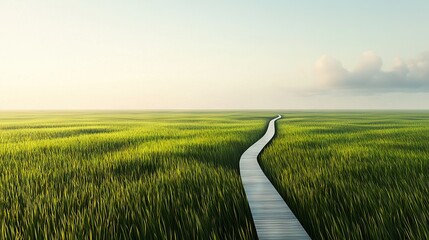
(354, 175)
(118, 175)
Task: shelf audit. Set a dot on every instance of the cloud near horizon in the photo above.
(368, 75)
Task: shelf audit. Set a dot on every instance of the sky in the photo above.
(274, 54)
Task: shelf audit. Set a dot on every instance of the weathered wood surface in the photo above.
(272, 217)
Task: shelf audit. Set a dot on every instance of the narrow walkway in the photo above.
(272, 216)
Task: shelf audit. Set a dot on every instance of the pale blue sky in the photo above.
(222, 54)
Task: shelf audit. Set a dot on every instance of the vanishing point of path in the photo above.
(272, 217)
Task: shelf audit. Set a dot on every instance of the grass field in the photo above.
(125, 175)
(353, 175)
(118, 175)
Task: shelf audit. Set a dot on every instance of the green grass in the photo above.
(125, 175)
(354, 175)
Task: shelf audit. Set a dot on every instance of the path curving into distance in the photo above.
(272, 217)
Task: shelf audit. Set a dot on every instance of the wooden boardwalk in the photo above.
(272, 217)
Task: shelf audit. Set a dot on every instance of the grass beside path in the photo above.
(122, 175)
(354, 175)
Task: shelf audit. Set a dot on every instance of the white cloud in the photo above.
(329, 70)
(368, 75)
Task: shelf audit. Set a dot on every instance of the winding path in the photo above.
(272, 217)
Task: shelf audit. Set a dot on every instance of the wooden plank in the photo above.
(272, 217)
